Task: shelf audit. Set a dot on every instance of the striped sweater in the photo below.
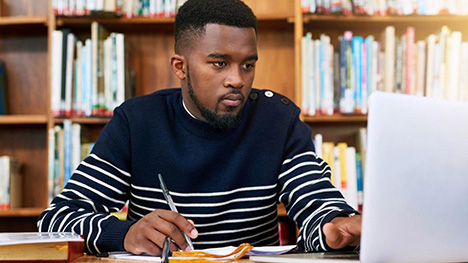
(227, 182)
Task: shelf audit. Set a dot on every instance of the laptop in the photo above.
(416, 183)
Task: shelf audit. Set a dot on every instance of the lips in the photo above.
(232, 100)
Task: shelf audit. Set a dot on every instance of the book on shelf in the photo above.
(67, 148)
(3, 98)
(385, 7)
(11, 183)
(400, 64)
(36, 246)
(126, 8)
(346, 164)
(88, 76)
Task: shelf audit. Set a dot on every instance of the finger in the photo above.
(158, 239)
(145, 247)
(333, 236)
(181, 222)
(170, 229)
(191, 222)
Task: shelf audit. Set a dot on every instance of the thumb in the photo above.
(333, 237)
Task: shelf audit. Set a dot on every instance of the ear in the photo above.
(178, 66)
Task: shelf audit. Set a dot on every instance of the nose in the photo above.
(234, 79)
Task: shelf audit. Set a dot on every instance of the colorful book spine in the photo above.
(357, 59)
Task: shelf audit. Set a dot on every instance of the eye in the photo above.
(219, 64)
(249, 66)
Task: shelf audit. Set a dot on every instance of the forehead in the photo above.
(225, 40)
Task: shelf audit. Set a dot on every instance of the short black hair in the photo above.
(194, 15)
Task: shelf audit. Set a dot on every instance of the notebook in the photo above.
(416, 183)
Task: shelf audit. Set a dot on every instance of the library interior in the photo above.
(66, 64)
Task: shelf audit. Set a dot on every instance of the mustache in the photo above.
(234, 91)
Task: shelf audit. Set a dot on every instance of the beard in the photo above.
(216, 120)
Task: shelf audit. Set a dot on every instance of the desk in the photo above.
(89, 259)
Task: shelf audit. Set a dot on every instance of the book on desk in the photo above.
(36, 246)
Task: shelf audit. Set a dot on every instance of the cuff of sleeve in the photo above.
(112, 237)
(329, 218)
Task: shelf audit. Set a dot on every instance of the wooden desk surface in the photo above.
(89, 259)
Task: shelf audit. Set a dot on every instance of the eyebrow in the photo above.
(226, 56)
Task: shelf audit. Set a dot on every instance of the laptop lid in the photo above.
(416, 181)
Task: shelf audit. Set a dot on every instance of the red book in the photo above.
(40, 247)
(287, 231)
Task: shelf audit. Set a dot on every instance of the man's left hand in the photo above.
(343, 231)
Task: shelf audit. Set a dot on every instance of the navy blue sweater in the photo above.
(227, 182)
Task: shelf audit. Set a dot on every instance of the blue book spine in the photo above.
(67, 138)
(323, 73)
(357, 50)
(359, 177)
(370, 65)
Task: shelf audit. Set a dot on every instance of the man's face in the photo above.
(220, 72)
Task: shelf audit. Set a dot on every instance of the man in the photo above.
(228, 153)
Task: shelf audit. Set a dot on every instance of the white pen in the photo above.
(172, 206)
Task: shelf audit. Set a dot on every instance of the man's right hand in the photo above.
(148, 234)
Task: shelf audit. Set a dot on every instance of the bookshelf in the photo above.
(25, 46)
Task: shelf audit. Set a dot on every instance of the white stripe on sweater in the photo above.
(312, 193)
(318, 210)
(233, 221)
(250, 188)
(71, 181)
(111, 165)
(236, 230)
(299, 155)
(217, 204)
(90, 232)
(297, 166)
(299, 187)
(100, 182)
(321, 172)
(99, 232)
(238, 210)
(102, 171)
(234, 240)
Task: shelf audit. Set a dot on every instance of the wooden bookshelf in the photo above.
(22, 119)
(337, 118)
(410, 19)
(22, 212)
(23, 20)
(84, 120)
(23, 133)
(20, 220)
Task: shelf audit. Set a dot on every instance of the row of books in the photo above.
(11, 183)
(347, 165)
(385, 7)
(88, 77)
(67, 148)
(126, 8)
(341, 78)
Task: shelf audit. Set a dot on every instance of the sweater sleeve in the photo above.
(100, 185)
(306, 190)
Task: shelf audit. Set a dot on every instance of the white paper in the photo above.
(266, 250)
